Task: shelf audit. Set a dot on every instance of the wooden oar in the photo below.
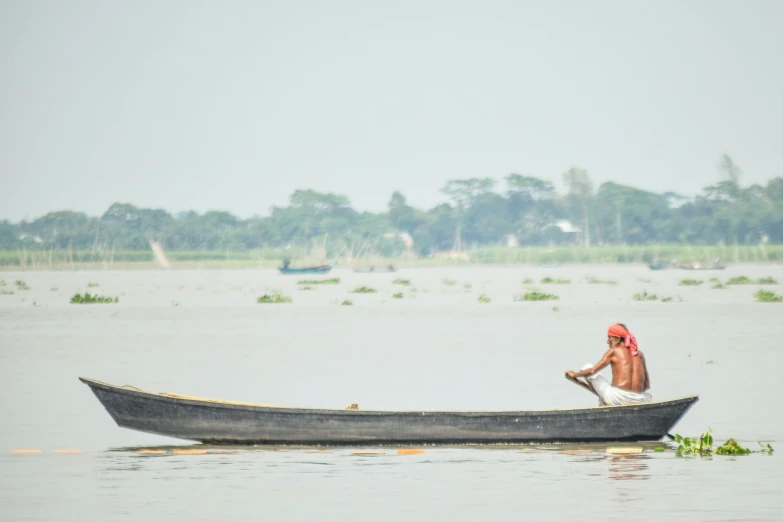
(582, 384)
(591, 390)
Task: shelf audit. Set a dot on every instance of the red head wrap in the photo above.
(618, 330)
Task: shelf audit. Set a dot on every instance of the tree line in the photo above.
(475, 212)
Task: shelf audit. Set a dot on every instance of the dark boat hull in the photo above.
(238, 423)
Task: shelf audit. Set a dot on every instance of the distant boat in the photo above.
(659, 266)
(322, 269)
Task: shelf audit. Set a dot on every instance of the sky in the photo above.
(233, 105)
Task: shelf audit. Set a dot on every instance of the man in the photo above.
(630, 379)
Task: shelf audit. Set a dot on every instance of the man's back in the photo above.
(629, 372)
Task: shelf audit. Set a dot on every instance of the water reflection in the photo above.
(628, 467)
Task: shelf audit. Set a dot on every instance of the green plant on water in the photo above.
(644, 280)
(718, 286)
(347, 302)
(467, 286)
(402, 282)
(644, 296)
(660, 448)
(398, 295)
(767, 281)
(709, 362)
(740, 280)
(53, 289)
(732, 447)
(448, 282)
(690, 282)
(669, 299)
(88, 298)
(484, 298)
(527, 281)
(274, 298)
(703, 446)
(535, 295)
(6, 292)
(550, 281)
(766, 296)
(306, 288)
(92, 285)
(596, 281)
(21, 285)
(3, 283)
(333, 281)
(364, 290)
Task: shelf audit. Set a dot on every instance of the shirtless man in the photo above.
(630, 379)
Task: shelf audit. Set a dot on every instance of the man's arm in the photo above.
(646, 373)
(605, 361)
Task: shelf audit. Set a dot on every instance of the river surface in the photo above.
(202, 333)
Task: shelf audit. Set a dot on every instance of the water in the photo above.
(201, 333)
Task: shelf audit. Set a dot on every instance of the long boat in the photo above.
(323, 269)
(228, 422)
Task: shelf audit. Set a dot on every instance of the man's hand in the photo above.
(571, 374)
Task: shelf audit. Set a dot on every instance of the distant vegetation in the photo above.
(403, 282)
(347, 302)
(21, 285)
(448, 282)
(484, 298)
(364, 290)
(88, 298)
(625, 223)
(397, 295)
(690, 282)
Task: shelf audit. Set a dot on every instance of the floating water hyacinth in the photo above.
(596, 281)
(766, 296)
(535, 295)
(644, 296)
(398, 295)
(88, 298)
(690, 282)
(332, 281)
(347, 302)
(550, 281)
(364, 290)
(402, 282)
(484, 298)
(274, 298)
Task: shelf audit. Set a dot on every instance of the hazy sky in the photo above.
(233, 105)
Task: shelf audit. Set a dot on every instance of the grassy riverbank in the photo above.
(145, 259)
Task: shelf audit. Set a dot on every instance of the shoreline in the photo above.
(68, 260)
